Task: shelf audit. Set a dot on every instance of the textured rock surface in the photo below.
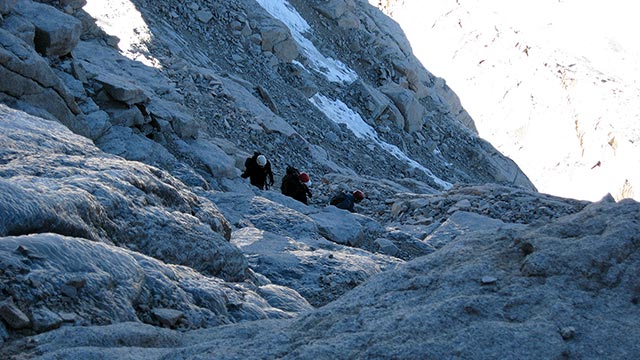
(126, 232)
(564, 288)
(56, 33)
(56, 181)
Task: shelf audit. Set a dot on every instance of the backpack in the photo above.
(292, 171)
(338, 198)
(290, 182)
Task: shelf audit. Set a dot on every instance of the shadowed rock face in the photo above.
(29, 82)
(126, 232)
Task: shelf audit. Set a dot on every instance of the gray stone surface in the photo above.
(405, 100)
(6, 6)
(126, 231)
(476, 295)
(276, 38)
(167, 317)
(20, 28)
(101, 205)
(121, 89)
(12, 315)
(45, 319)
(347, 231)
(56, 32)
(28, 78)
(316, 268)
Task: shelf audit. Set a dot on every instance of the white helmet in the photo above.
(261, 160)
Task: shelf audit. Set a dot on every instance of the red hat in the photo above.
(304, 177)
(358, 195)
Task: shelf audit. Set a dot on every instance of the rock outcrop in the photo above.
(106, 199)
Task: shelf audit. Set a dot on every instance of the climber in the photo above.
(296, 185)
(347, 201)
(257, 169)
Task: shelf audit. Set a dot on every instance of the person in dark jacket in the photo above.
(347, 201)
(296, 185)
(258, 170)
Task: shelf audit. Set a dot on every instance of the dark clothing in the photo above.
(343, 201)
(258, 174)
(293, 187)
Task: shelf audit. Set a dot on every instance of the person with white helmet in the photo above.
(258, 170)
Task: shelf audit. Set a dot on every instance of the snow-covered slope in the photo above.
(552, 84)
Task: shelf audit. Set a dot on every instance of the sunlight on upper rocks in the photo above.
(334, 70)
(122, 19)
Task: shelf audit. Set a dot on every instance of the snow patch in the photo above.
(340, 113)
(334, 70)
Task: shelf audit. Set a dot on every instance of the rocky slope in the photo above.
(126, 231)
(243, 92)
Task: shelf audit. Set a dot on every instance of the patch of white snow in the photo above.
(340, 113)
(334, 70)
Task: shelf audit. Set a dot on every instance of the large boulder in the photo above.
(407, 102)
(318, 269)
(81, 282)
(27, 82)
(121, 89)
(340, 226)
(176, 115)
(56, 32)
(215, 159)
(277, 39)
(463, 223)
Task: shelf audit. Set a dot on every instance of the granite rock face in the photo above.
(56, 33)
